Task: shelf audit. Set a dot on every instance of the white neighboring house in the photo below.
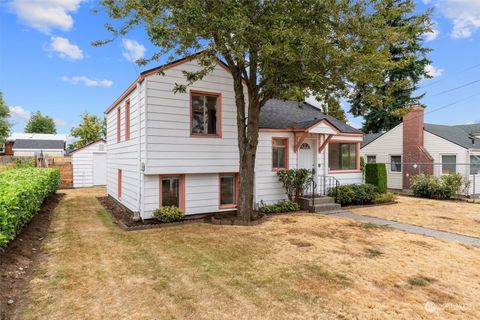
(181, 149)
(414, 146)
(90, 165)
(31, 144)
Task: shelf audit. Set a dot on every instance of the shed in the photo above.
(90, 165)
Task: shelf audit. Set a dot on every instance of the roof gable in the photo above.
(462, 135)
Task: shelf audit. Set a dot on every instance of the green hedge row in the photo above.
(376, 174)
(22, 192)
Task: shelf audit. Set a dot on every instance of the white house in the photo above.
(414, 147)
(90, 165)
(31, 144)
(181, 149)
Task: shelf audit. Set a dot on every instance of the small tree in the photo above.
(4, 123)
(91, 129)
(39, 123)
(295, 182)
(376, 174)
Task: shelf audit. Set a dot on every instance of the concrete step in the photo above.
(325, 207)
(308, 202)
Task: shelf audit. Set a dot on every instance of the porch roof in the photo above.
(285, 114)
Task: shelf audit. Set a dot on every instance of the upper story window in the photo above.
(127, 120)
(279, 153)
(205, 110)
(343, 156)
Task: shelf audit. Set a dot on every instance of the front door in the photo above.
(306, 154)
(99, 169)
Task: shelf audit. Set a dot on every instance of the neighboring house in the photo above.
(415, 147)
(90, 165)
(181, 149)
(31, 144)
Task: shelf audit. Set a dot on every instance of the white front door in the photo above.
(100, 169)
(305, 154)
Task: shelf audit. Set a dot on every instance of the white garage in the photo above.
(90, 165)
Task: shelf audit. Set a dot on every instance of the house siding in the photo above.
(437, 147)
(391, 143)
(82, 162)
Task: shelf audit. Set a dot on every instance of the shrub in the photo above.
(22, 192)
(445, 187)
(279, 207)
(376, 174)
(354, 194)
(384, 198)
(169, 214)
(24, 162)
(295, 181)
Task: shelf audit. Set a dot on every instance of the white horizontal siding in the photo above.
(82, 162)
(437, 147)
(391, 143)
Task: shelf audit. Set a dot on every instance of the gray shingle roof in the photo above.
(280, 114)
(38, 144)
(370, 137)
(460, 134)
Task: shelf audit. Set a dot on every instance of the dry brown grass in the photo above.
(292, 267)
(453, 216)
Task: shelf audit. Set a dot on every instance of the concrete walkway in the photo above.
(408, 228)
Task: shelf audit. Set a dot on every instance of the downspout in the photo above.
(137, 214)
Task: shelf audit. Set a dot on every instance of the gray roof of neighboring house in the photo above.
(460, 134)
(282, 114)
(39, 144)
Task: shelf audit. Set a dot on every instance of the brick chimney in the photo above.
(416, 158)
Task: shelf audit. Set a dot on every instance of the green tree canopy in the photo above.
(272, 46)
(39, 123)
(383, 105)
(4, 123)
(90, 130)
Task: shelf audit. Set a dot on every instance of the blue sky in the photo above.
(48, 64)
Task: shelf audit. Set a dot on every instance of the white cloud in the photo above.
(60, 122)
(45, 15)
(434, 33)
(464, 15)
(20, 113)
(87, 81)
(133, 50)
(433, 71)
(65, 49)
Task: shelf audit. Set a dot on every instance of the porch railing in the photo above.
(320, 186)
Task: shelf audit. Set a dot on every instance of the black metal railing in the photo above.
(320, 186)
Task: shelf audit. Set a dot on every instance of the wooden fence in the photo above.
(64, 164)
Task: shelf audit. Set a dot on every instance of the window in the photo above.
(2, 147)
(279, 153)
(119, 183)
(118, 125)
(371, 159)
(395, 163)
(127, 120)
(228, 190)
(342, 156)
(449, 164)
(475, 164)
(205, 114)
(172, 191)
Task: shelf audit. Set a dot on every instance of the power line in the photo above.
(456, 88)
(454, 75)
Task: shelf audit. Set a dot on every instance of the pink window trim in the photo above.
(227, 206)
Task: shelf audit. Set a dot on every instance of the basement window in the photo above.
(172, 191)
(228, 190)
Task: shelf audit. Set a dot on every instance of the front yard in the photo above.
(452, 216)
(302, 266)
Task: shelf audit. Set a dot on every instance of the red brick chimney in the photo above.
(416, 158)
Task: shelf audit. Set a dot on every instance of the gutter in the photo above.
(137, 214)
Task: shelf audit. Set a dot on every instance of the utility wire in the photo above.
(456, 88)
(454, 75)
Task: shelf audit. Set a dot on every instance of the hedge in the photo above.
(354, 194)
(376, 174)
(22, 192)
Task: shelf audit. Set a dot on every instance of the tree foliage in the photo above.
(39, 123)
(383, 105)
(270, 46)
(91, 129)
(4, 123)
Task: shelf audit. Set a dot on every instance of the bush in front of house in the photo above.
(444, 187)
(295, 182)
(279, 207)
(376, 174)
(354, 194)
(387, 197)
(169, 214)
(22, 192)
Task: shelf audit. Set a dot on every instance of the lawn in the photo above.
(453, 216)
(303, 266)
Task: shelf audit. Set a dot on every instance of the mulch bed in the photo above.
(20, 258)
(123, 217)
